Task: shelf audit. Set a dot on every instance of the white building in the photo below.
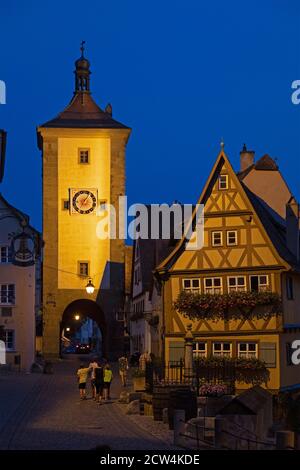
(19, 289)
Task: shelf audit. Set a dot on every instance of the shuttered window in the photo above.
(176, 350)
(267, 353)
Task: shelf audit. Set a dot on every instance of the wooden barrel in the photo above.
(182, 399)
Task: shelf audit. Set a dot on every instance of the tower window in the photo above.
(84, 156)
(83, 268)
(223, 182)
(66, 204)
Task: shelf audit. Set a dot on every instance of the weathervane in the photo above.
(82, 47)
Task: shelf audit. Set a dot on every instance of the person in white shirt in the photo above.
(92, 366)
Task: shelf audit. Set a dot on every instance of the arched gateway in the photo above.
(85, 308)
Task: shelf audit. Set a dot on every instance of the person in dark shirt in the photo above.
(99, 382)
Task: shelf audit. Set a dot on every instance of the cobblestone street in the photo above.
(40, 411)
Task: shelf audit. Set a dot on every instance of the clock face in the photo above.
(84, 201)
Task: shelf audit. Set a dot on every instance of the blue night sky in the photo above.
(181, 74)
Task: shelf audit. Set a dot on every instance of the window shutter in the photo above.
(176, 350)
(267, 353)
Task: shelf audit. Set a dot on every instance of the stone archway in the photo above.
(90, 309)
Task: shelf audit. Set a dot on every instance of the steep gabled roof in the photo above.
(83, 112)
(264, 217)
(266, 163)
(274, 228)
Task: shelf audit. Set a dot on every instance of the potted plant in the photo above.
(139, 380)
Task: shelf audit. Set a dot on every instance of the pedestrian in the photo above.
(99, 382)
(144, 359)
(82, 375)
(108, 376)
(123, 368)
(92, 366)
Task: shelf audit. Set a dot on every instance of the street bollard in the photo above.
(179, 427)
(285, 440)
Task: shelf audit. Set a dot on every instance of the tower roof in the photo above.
(82, 111)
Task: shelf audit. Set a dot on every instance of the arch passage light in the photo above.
(90, 287)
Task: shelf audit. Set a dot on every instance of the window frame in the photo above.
(192, 289)
(232, 289)
(7, 255)
(222, 349)
(8, 285)
(290, 288)
(213, 287)
(220, 183)
(84, 149)
(227, 237)
(80, 263)
(268, 285)
(6, 333)
(248, 353)
(197, 350)
(212, 237)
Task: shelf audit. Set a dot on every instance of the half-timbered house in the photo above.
(250, 263)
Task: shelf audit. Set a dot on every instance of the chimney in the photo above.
(246, 158)
(292, 227)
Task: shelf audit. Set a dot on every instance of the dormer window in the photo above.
(223, 182)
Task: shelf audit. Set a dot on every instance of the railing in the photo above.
(202, 432)
(175, 373)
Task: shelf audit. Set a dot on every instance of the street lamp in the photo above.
(77, 317)
(68, 328)
(90, 287)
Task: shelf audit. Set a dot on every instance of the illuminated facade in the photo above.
(248, 248)
(83, 151)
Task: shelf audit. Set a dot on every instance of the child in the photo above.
(82, 375)
(108, 376)
(99, 382)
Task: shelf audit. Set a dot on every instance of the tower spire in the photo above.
(82, 72)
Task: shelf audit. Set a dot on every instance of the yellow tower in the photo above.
(83, 151)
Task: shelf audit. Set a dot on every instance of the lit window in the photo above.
(237, 284)
(8, 294)
(5, 254)
(231, 237)
(259, 283)
(247, 350)
(84, 155)
(199, 349)
(83, 268)
(223, 182)
(222, 349)
(191, 285)
(9, 340)
(217, 239)
(213, 285)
